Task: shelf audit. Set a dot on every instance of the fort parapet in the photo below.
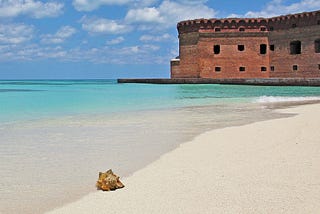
(243, 48)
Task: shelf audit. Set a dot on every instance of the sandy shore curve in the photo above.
(264, 167)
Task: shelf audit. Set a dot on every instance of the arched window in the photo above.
(295, 47)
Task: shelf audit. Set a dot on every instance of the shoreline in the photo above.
(230, 178)
(162, 136)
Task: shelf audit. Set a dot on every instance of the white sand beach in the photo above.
(265, 167)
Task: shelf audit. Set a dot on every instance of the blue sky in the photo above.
(81, 39)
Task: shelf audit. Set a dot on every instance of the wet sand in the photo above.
(60, 158)
(264, 167)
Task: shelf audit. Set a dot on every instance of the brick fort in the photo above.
(243, 48)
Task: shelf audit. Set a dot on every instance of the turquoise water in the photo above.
(24, 100)
(55, 136)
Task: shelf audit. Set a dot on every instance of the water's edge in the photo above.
(60, 134)
(274, 107)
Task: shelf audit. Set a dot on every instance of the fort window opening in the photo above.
(271, 28)
(317, 45)
(216, 49)
(241, 29)
(263, 49)
(217, 29)
(242, 69)
(295, 47)
(319, 66)
(240, 47)
(217, 69)
(271, 47)
(263, 29)
(295, 67)
(272, 68)
(294, 25)
(263, 69)
(318, 22)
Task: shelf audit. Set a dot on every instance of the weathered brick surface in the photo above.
(283, 61)
(188, 53)
(230, 59)
(197, 38)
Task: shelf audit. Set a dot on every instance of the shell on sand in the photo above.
(108, 181)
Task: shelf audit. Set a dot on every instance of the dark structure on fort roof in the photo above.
(249, 48)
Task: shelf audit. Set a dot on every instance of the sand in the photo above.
(265, 167)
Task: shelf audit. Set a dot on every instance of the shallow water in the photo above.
(51, 162)
(53, 155)
(28, 100)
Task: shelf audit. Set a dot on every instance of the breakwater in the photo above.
(258, 81)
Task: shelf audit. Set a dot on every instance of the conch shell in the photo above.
(108, 181)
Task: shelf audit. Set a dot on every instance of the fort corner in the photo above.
(249, 48)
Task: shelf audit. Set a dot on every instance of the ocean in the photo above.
(55, 136)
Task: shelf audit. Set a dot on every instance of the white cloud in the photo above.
(90, 5)
(178, 12)
(168, 13)
(36, 9)
(15, 33)
(151, 47)
(60, 36)
(33, 52)
(136, 54)
(115, 41)
(164, 37)
(278, 7)
(234, 15)
(103, 26)
(144, 15)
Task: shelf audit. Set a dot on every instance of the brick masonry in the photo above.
(197, 38)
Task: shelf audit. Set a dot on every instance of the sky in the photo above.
(108, 39)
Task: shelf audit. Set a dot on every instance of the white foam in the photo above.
(275, 99)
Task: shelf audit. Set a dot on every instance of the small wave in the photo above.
(275, 99)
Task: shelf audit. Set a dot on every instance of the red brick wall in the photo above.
(230, 59)
(283, 61)
(188, 53)
(175, 68)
